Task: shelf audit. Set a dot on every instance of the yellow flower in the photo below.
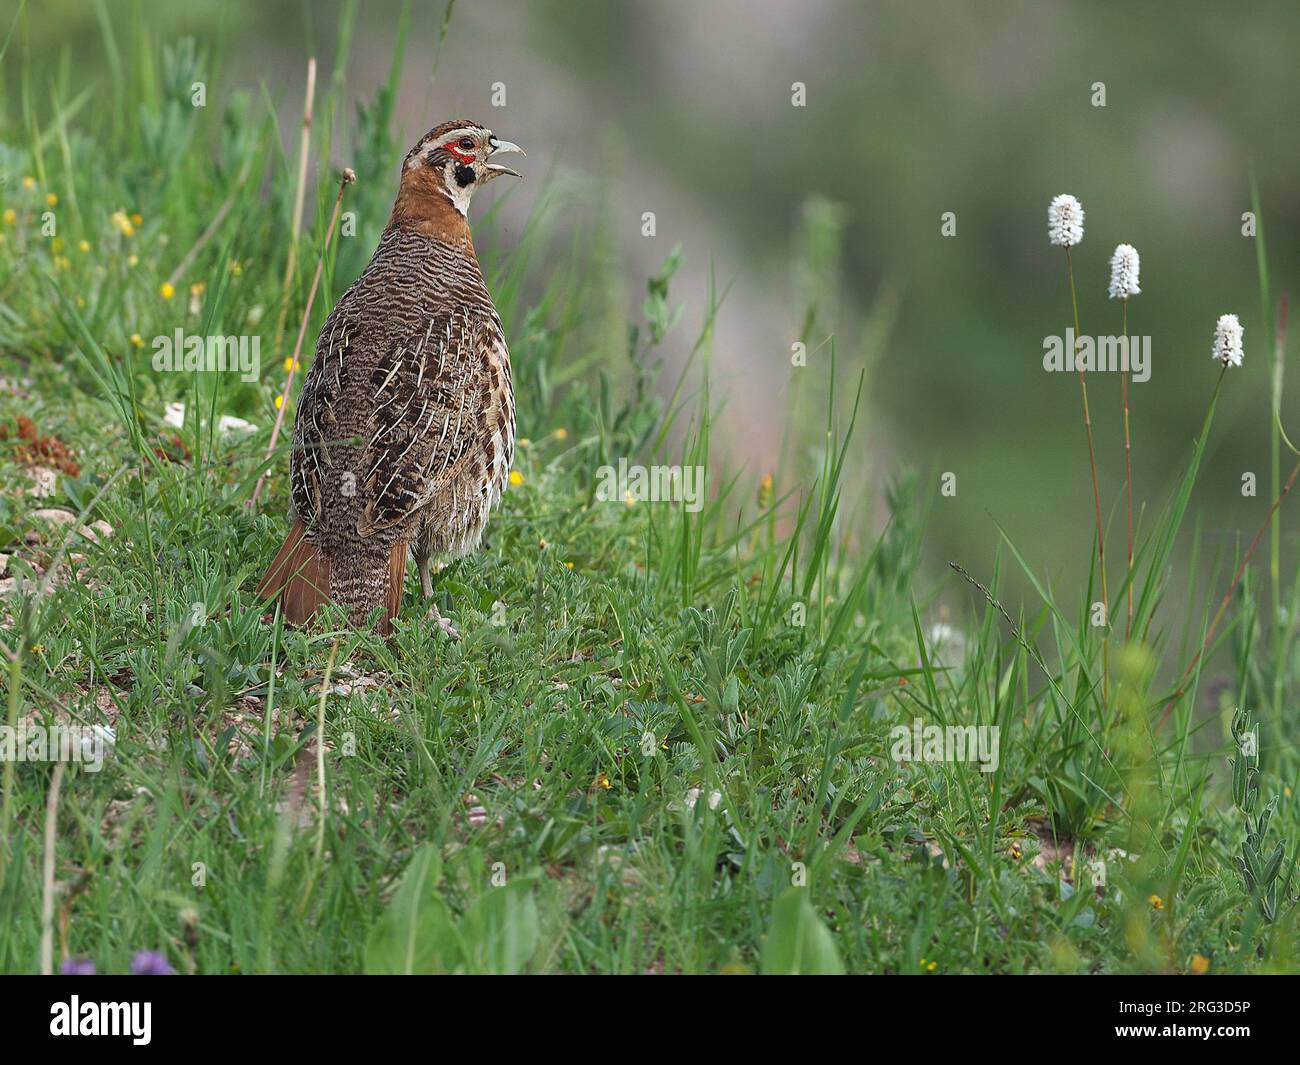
(137, 218)
(765, 492)
(11, 216)
(56, 245)
(197, 288)
(61, 262)
(279, 402)
(29, 183)
(523, 441)
(561, 434)
(236, 267)
(516, 478)
(84, 245)
(568, 565)
(629, 499)
(1015, 850)
(131, 260)
(51, 199)
(932, 966)
(1200, 965)
(1157, 903)
(291, 363)
(137, 340)
(123, 224)
(167, 291)
(603, 782)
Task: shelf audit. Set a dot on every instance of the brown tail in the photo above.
(301, 576)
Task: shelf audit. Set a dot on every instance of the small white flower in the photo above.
(1227, 340)
(175, 415)
(1065, 221)
(1124, 267)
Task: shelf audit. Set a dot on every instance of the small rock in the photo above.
(47, 482)
(693, 796)
(228, 423)
(96, 531)
(54, 516)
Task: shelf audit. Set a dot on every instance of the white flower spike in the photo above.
(1124, 268)
(1065, 221)
(1227, 340)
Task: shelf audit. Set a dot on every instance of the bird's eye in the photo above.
(466, 143)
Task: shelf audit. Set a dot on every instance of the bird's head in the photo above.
(454, 159)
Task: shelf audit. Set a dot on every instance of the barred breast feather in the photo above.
(405, 424)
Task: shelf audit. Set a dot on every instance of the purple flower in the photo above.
(151, 963)
(77, 967)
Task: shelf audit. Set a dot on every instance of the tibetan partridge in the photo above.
(406, 422)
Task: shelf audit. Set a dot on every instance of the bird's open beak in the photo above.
(498, 145)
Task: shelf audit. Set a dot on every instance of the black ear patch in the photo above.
(464, 175)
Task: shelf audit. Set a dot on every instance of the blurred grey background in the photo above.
(913, 109)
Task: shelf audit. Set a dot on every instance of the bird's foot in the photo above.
(443, 623)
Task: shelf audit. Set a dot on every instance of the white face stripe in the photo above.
(459, 196)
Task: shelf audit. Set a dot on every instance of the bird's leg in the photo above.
(424, 566)
(443, 623)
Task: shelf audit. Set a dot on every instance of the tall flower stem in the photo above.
(1284, 631)
(1128, 475)
(1096, 487)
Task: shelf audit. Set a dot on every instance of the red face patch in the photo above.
(464, 157)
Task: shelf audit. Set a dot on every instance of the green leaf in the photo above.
(797, 940)
(500, 932)
(415, 933)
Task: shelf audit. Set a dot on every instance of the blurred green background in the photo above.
(825, 219)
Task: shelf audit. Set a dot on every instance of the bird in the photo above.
(405, 428)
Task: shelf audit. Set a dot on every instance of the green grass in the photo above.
(664, 742)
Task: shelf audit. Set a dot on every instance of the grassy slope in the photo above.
(619, 662)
